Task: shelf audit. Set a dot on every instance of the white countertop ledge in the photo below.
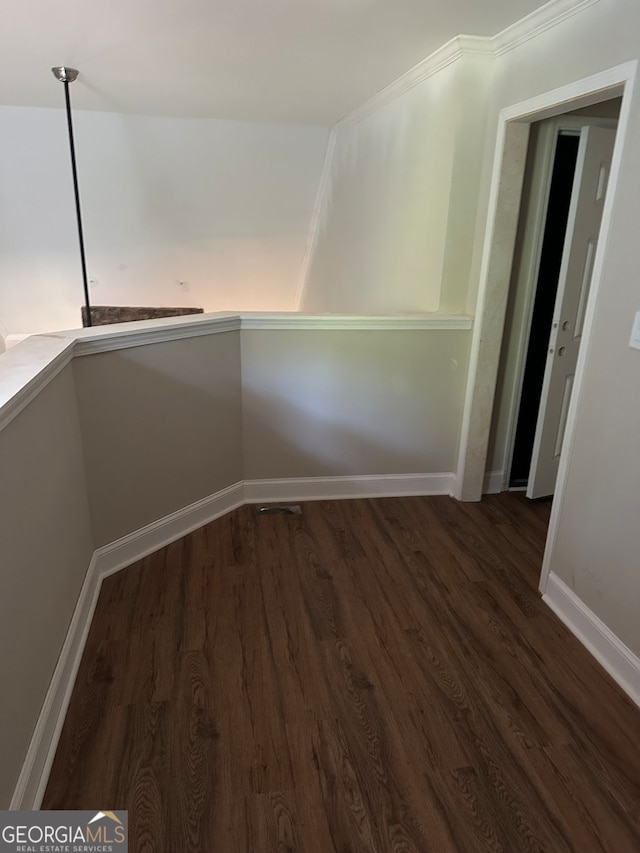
(26, 368)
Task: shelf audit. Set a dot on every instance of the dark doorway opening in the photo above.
(564, 167)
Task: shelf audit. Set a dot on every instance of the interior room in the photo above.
(348, 559)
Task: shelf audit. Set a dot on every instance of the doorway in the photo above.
(540, 319)
(534, 387)
(496, 263)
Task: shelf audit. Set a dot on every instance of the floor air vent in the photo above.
(288, 509)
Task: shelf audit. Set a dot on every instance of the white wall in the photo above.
(45, 548)
(166, 424)
(364, 258)
(598, 542)
(161, 428)
(122, 438)
(337, 403)
(402, 189)
(397, 233)
(224, 206)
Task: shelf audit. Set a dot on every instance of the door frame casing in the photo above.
(499, 245)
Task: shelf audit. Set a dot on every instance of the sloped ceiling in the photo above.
(293, 61)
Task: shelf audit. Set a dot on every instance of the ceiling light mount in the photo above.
(65, 74)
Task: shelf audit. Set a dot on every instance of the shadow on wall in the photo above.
(355, 403)
(161, 428)
(283, 438)
(168, 424)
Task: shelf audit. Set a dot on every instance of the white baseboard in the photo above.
(336, 488)
(33, 777)
(111, 558)
(618, 660)
(493, 483)
(116, 555)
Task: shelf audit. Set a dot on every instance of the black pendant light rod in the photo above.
(66, 76)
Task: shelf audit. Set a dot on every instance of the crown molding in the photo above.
(469, 46)
(537, 22)
(440, 59)
(475, 46)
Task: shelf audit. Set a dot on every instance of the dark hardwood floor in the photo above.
(371, 676)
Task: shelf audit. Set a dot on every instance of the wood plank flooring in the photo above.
(368, 677)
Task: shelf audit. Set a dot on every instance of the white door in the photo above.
(585, 212)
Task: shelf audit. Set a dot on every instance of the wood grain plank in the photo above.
(368, 676)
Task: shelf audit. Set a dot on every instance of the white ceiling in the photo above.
(294, 61)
